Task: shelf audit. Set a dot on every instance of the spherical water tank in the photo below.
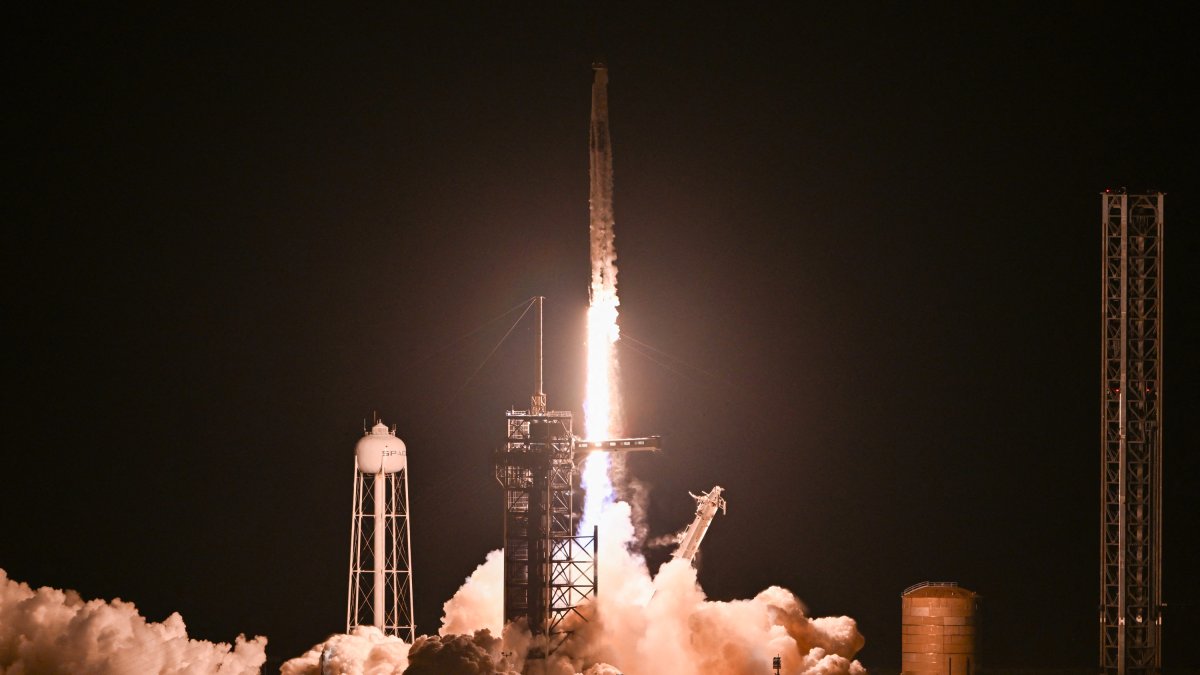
(379, 451)
(938, 624)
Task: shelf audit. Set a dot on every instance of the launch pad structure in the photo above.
(1131, 435)
(550, 568)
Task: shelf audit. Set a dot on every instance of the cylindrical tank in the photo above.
(379, 451)
(938, 621)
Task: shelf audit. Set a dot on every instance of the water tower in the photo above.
(380, 588)
(940, 630)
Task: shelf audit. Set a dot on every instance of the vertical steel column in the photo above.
(1131, 434)
(379, 569)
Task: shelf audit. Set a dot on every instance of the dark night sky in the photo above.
(864, 242)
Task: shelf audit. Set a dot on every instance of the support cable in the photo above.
(528, 306)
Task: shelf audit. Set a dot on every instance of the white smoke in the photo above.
(53, 632)
(640, 625)
(480, 654)
(665, 540)
(365, 651)
(643, 625)
(479, 604)
(465, 644)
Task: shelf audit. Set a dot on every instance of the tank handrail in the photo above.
(925, 584)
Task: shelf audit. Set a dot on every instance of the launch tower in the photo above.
(549, 566)
(1131, 435)
(549, 569)
(380, 589)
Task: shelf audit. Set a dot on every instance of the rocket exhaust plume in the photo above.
(600, 407)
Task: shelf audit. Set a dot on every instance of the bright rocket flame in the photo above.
(600, 402)
(599, 405)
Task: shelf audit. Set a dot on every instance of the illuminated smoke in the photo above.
(479, 604)
(480, 654)
(644, 625)
(641, 625)
(53, 632)
(365, 651)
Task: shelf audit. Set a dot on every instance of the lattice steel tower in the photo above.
(549, 569)
(1131, 435)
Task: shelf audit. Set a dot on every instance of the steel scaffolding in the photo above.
(1131, 435)
(549, 570)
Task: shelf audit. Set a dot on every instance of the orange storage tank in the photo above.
(938, 624)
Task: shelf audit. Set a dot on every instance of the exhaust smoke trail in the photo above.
(601, 413)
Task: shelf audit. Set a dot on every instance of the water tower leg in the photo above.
(380, 549)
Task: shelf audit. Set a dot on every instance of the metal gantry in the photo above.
(549, 569)
(1131, 435)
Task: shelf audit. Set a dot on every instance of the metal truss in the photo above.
(572, 579)
(1131, 435)
(549, 570)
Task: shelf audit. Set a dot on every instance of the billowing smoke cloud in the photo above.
(53, 632)
(365, 651)
(643, 625)
(640, 625)
(479, 604)
(481, 654)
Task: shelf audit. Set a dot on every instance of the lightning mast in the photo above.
(707, 504)
(1131, 435)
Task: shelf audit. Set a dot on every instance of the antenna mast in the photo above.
(537, 406)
